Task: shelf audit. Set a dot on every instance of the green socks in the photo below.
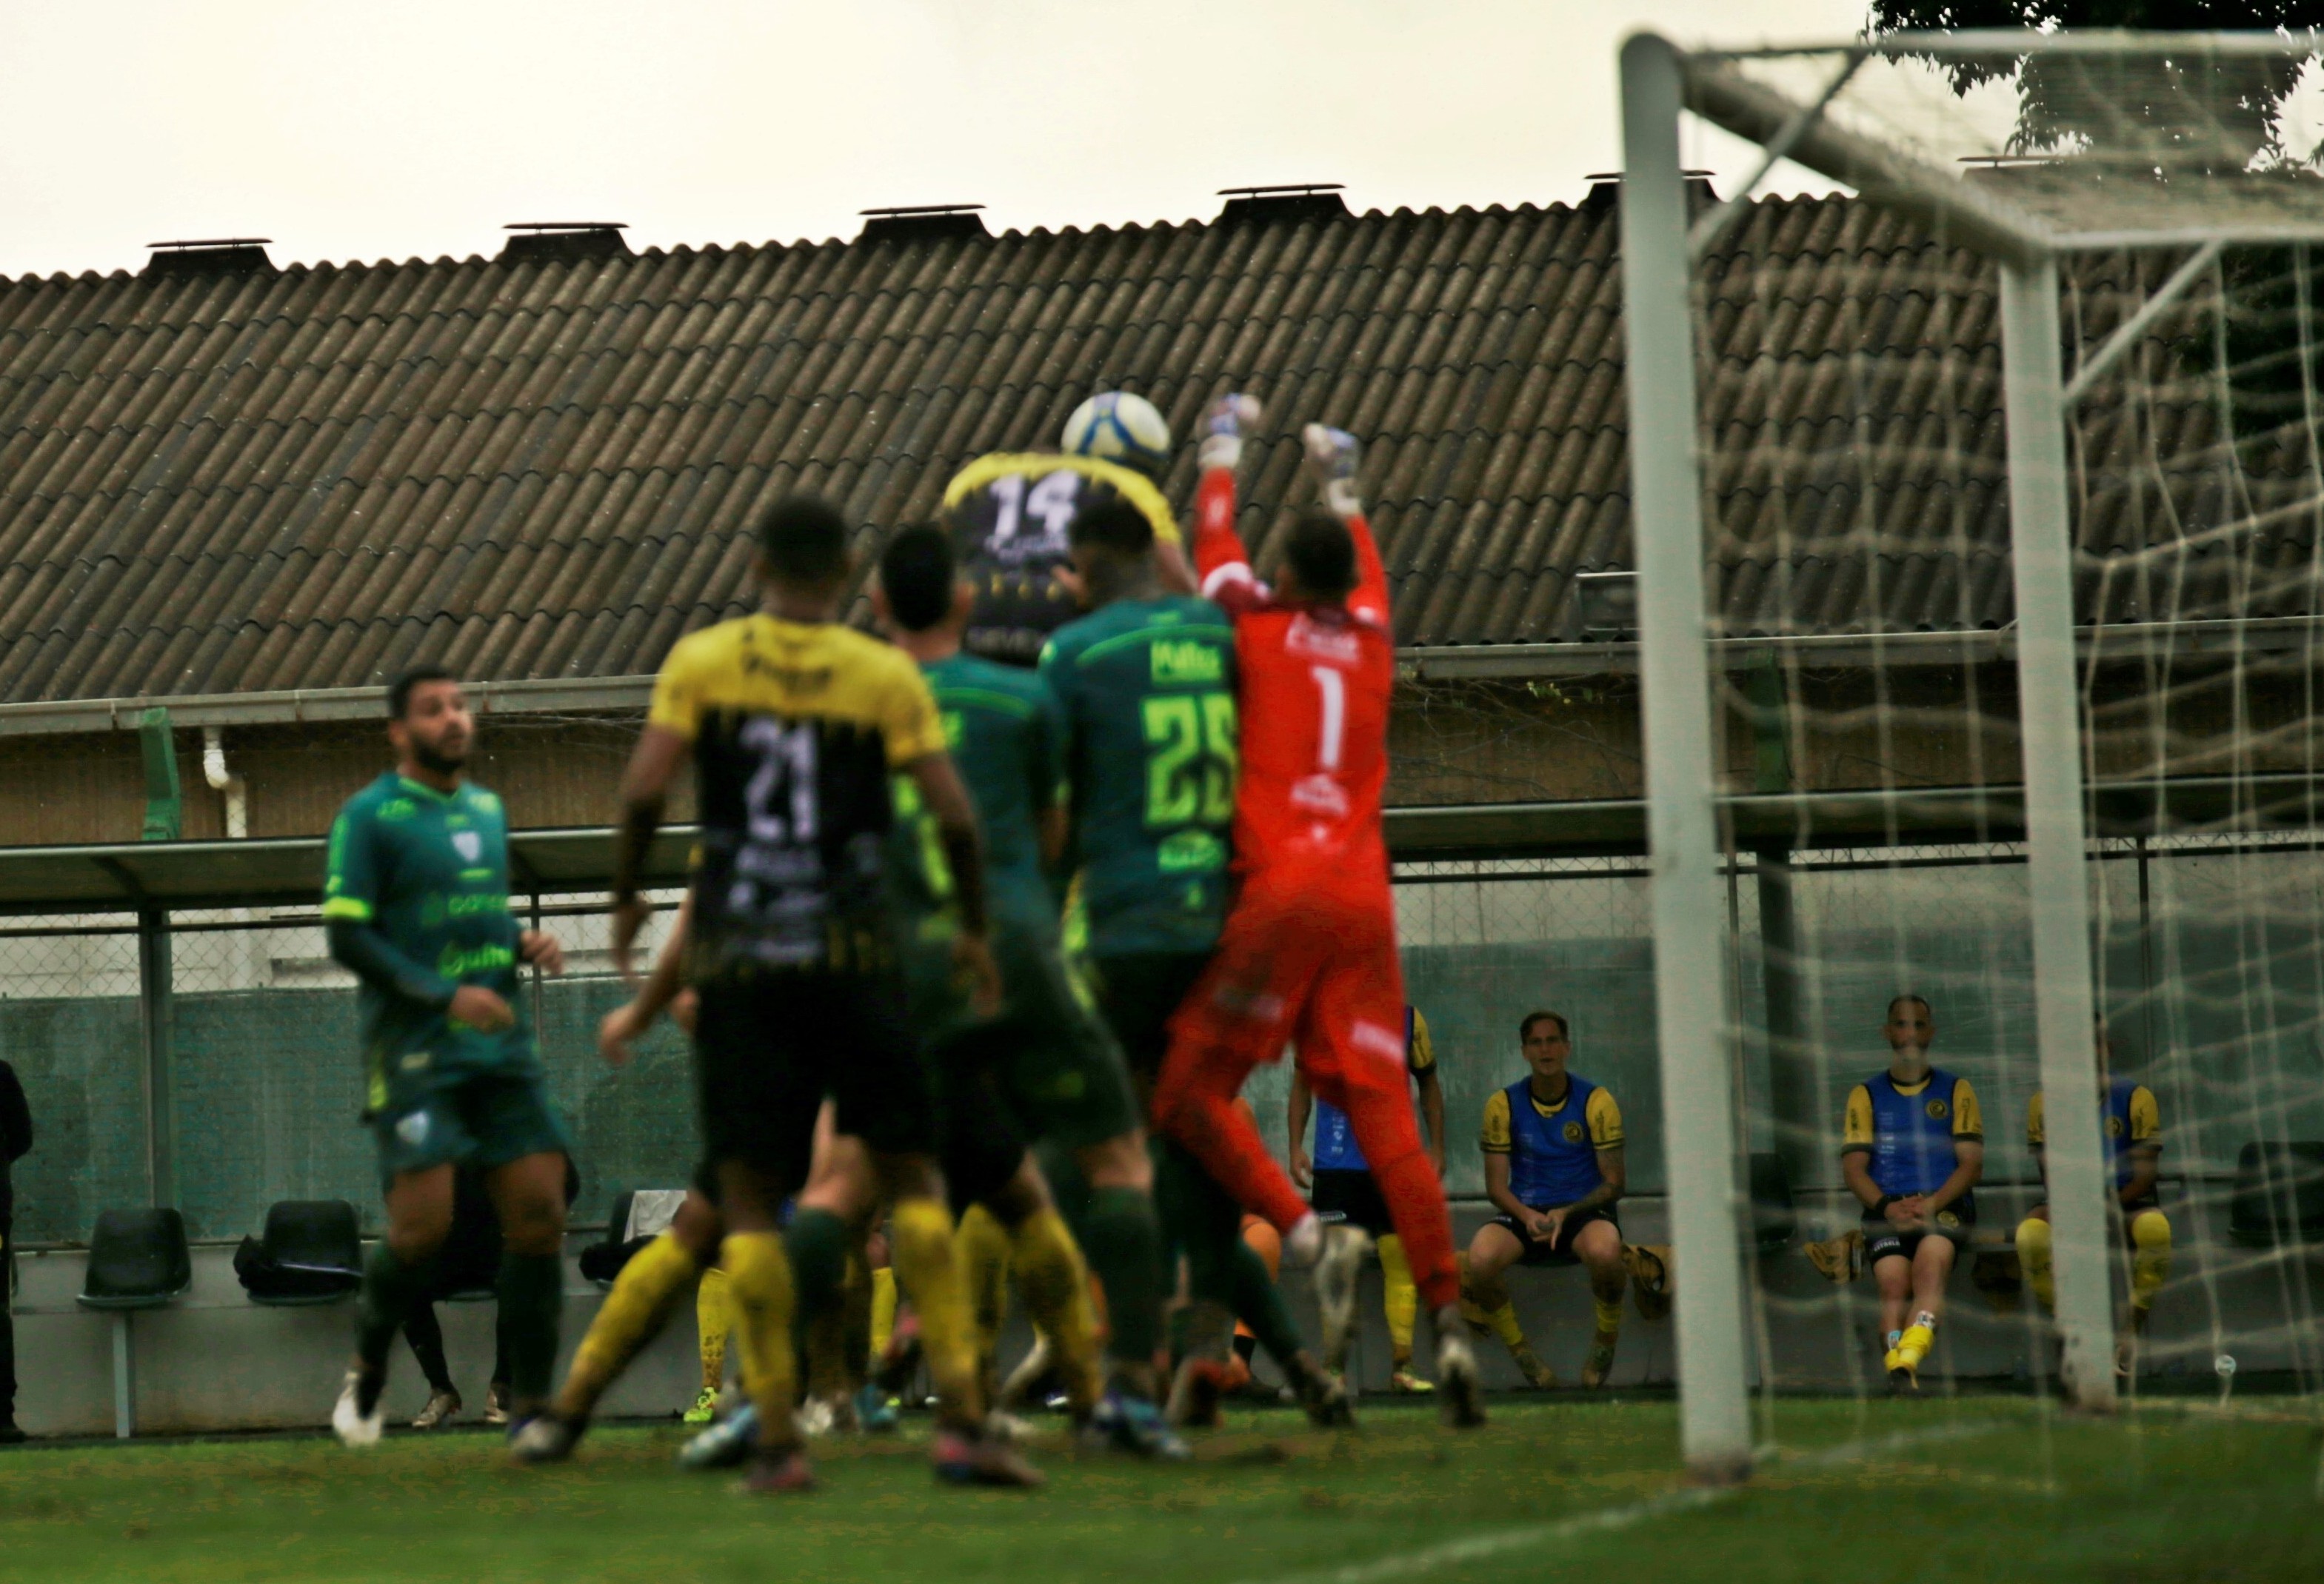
(1123, 1242)
(816, 1245)
(390, 1291)
(532, 1300)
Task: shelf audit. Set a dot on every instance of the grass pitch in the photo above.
(1913, 1492)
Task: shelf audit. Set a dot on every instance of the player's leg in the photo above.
(1347, 1245)
(640, 1302)
(1400, 1305)
(1598, 1247)
(1496, 1246)
(2150, 1268)
(1265, 1241)
(2033, 1256)
(399, 1273)
(1932, 1266)
(1891, 1258)
(426, 1338)
(714, 1320)
(528, 1194)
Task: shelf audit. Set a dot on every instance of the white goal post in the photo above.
(1794, 104)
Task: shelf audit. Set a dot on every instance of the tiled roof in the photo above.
(546, 466)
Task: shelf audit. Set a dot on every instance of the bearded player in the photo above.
(1308, 953)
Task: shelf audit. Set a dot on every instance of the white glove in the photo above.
(1222, 426)
(1332, 456)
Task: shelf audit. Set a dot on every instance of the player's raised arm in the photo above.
(1331, 457)
(1220, 558)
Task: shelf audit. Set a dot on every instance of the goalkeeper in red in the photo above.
(1308, 954)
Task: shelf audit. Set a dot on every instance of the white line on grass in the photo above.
(1687, 1498)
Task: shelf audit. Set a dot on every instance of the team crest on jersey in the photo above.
(468, 844)
(2113, 1127)
(1574, 1133)
(1938, 1110)
(1334, 642)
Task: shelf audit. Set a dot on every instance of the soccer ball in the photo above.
(1118, 427)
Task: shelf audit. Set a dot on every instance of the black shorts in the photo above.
(1883, 1241)
(768, 1044)
(1138, 993)
(1559, 1251)
(1353, 1198)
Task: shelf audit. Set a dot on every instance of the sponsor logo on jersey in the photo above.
(459, 963)
(1308, 636)
(1187, 661)
(1937, 1109)
(416, 1061)
(1320, 795)
(795, 678)
(468, 844)
(1191, 852)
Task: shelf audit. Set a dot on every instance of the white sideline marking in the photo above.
(1683, 1500)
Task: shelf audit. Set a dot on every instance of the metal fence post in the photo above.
(153, 984)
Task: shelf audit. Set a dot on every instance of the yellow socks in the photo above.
(641, 1300)
(2150, 1259)
(1055, 1283)
(759, 1273)
(1504, 1322)
(883, 1309)
(1398, 1296)
(928, 1269)
(2034, 1259)
(1608, 1314)
(714, 1318)
(1918, 1339)
(981, 1244)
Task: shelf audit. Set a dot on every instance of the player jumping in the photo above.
(1309, 952)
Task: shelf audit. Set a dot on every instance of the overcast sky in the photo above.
(350, 132)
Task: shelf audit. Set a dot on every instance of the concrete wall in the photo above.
(215, 1362)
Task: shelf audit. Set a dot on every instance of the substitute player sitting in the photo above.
(1340, 1189)
(2133, 1126)
(1913, 1149)
(1553, 1147)
(1308, 953)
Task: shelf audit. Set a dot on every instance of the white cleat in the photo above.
(1460, 1391)
(1302, 1245)
(353, 1427)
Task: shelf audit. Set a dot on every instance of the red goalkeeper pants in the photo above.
(1308, 957)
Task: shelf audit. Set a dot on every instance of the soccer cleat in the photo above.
(1002, 1425)
(1599, 1364)
(705, 1409)
(496, 1403)
(962, 1461)
(1125, 1423)
(813, 1418)
(1538, 1376)
(1194, 1393)
(724, 1445)
(356, 1426)
(546, 1437)
(1461, 1394)
(1302, 1245)
(783, 1473)
(440, 1409)
(875, 1409)
(1332, 456)
(1402, 1380)
(1328, 1405)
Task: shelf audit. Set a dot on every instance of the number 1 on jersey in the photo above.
(1334, 689)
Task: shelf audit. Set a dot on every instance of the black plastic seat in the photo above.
(1774, 1219)
(311, 1252)
(2279, 1193)
(137, 1259)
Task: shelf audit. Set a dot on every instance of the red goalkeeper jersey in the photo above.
(1314, 688)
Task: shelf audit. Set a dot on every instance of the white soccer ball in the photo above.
(1118, 427)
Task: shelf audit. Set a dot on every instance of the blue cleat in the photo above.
(875, 1413)
(724, 1445)
(1125, 1423)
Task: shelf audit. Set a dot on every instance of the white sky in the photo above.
(346, 131)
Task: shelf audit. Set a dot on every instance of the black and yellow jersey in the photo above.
(1008, 513)
(796, 727)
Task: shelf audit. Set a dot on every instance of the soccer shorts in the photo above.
(1351, 1197)
(768, 1044)
(482, 1119)
(1558, 1251)
(1138, 993)
(1884, 1240)
(1308, 957)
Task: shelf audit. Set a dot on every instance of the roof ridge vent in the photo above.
(923, 223)
(563, 241)
(1285, 202)
(1606, 191)
(209, 256)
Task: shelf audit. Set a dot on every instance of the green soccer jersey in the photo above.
(1007, 738)
(1148, 687)
(429, 870)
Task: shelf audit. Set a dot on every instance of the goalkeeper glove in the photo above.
(1222, 426)
(1332, 454)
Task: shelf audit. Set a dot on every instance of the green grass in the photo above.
(1973, 1489)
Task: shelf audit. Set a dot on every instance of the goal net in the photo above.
(1980, 519)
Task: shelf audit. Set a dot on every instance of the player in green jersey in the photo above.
(1147, 682)
(1046, 1068)
(416, 904)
